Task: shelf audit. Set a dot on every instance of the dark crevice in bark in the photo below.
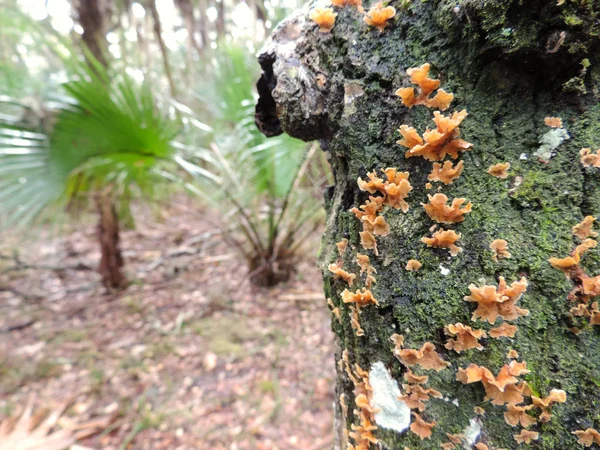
(266, 113)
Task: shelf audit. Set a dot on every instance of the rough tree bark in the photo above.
(510, 64)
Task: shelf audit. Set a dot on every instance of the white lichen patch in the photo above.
(472, 433)
(393, 413)
(550, 141)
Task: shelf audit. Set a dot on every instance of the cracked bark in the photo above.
(509, 66)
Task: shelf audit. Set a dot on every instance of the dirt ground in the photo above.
(189, 356)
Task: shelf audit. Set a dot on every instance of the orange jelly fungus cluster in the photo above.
(553, 122)
(324, 17)
(588, 437)
(586, 286)
(361, 434)
(588, 158)
(378, 16)
(500, 249)
(394, 190)
(436, 144)
(420, 77)
(499, 170)
(493, 302)
(465, 338)
(438, 209)
(446, 173)
(444, 239)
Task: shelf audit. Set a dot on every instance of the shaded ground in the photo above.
(190, 356)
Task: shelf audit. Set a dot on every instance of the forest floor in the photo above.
(189, 356)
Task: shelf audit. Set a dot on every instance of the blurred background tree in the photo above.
(103, 102)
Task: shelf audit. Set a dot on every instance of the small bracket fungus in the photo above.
(465, 338)
(334, 310)
(553, 122)
(413, 265)
(378, 16)
(426, 357)
(584, 229)
(555, 396)
(590, 159)
(344, 3)
(512, 354)
(355, 322)
(526, 436)
(338, 272)
(446, 173)
(420, 77)
(415, 396)
(499, 170)
(500, 249)
(516, 415)
(504, 330)
(368, 242)
(342, 246)
(438, 210)
(410, 377)
(436, 144)
(444, 239)
(324, 17)
(420, 427)
(493, 302)
(588, 437)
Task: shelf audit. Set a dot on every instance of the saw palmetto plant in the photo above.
(265, 192)
(104, 140)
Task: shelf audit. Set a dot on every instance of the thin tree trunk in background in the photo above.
(187, 11)
(220, 5)
(163, 47)
(510, 64)
(91, 18)
(203, 23)
(111, 259)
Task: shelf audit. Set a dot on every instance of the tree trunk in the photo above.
(111, 260)
(510, 64)
(221, 22)
(162, 45)
(91, 14)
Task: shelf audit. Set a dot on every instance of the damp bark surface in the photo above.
(510, 64)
